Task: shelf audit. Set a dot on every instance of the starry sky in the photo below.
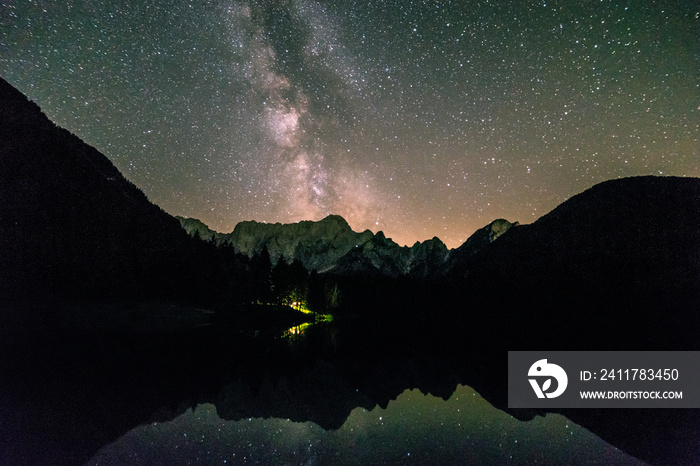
(419, 119)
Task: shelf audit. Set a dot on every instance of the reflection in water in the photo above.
(413, 429)
(299, 330)
(296, 330)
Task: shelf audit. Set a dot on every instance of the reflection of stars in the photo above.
(414, 428)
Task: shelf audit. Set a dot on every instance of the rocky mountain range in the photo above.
(330, 245)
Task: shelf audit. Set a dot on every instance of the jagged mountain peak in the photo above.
(498, 227)
(196, 227)
(485, 236)
(330, 225)
(336, 220)
(330, 245)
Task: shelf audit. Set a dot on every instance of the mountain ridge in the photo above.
(330, 245)
(73, 227)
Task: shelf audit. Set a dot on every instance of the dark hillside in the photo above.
(72, 227)
(617, 265)
(614, 268)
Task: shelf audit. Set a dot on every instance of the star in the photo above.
(433, 118)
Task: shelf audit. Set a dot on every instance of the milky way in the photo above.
(420, 119)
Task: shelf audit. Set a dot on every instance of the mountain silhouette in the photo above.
(74, 228)
(618, 263)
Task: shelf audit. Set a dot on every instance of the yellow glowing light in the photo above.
(298, 329)
(301, 307)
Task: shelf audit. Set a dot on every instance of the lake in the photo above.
(186, 390)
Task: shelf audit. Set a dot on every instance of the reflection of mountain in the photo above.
(616, 268)
(413, 429)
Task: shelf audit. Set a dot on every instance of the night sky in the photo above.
(420, 119)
